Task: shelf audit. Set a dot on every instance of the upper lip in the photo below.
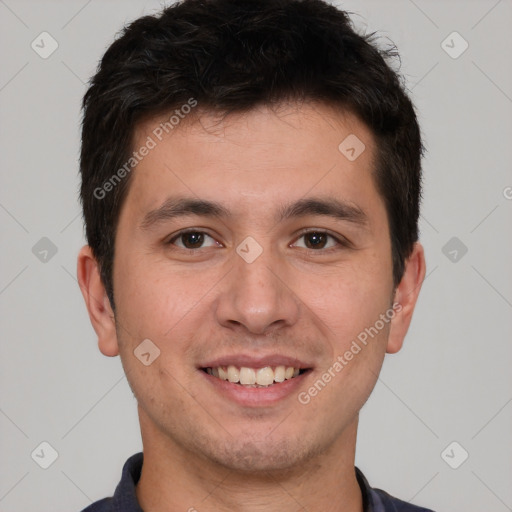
(249, 361)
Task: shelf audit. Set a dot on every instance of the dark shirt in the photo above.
(125, 499)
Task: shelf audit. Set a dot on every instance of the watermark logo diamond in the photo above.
(352, 147)
(146, 352)
(44, 250)
(249, 249)
(44, 45)
(44, 455)
(454, 249)
(454, 455)
(454, 45)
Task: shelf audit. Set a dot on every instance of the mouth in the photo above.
(248, 377)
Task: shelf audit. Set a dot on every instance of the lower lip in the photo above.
(257, 397)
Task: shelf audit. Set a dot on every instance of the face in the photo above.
(253, 242)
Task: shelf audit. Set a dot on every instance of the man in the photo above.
(250, 183)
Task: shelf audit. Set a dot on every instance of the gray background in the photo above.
(451, 382)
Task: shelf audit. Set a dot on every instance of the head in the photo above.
(230, 120)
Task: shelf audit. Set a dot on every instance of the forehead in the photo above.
(254, 158)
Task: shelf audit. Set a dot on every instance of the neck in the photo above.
(174, 479)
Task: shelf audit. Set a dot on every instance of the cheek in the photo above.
(153, 299)
(350, 298)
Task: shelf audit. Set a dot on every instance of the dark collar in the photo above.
(125, 498)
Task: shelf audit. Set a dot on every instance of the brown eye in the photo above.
(192, 240)
(317, 240)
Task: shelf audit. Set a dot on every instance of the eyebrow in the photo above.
(328, 207)
(181, 207)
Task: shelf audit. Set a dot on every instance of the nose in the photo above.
(258, 297)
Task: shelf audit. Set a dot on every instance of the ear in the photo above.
(97, 302)
(406, 295)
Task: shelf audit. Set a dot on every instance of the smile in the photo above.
(254, 377)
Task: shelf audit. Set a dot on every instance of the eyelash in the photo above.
(341, 241)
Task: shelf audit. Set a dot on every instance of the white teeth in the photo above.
(279, 373)
(254, 377)
(233, 374)
(265, 376)
(247, 376)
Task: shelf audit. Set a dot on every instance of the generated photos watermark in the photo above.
(357, 345)
(151, 143)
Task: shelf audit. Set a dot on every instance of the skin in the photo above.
(201, 450)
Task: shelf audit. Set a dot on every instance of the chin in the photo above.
(263, 456)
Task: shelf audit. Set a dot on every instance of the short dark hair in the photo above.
(232, 56)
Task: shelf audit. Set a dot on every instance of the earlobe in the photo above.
(97, 302)
(406, 295)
